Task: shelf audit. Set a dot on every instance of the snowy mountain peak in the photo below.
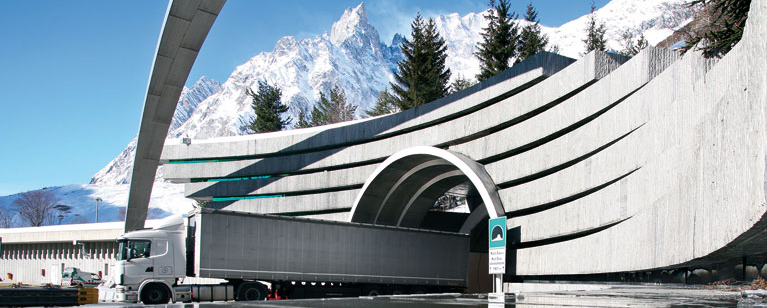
(285, 43)
(353, 24)
(397, 39)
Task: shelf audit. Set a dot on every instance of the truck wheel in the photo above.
(251, 291)
(371, 291)
(155, 294)
(418, 290)
(396, 290)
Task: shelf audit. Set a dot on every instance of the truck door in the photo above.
(139, 265)
(162, 255)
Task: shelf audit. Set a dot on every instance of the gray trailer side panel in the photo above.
(251, 246)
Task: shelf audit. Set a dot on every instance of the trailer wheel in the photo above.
(371, 291)
(418, 290)
(251, 291)
(396, 290)
(155, 294)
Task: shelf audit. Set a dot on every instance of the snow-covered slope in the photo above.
(352, 56)
(166, 198)
(119, 170)
(656, 19)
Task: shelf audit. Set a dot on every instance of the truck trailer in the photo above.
(262, 256)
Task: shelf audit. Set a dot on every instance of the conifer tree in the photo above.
(303, 120)
(724, 29)
(333, 110)
(595, 32)
(630, 47)
(459, 84)
(423, 76)
(532, 41)
(267, 104)
(385, 104)
(499, 40)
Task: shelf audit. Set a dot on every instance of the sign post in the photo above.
(497, 255)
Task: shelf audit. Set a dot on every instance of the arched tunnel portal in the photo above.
(404, 188)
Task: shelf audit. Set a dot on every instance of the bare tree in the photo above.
(36, 207)
(6, 217)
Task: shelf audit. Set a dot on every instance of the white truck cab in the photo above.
(149, 262)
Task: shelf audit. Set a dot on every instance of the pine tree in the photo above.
(459, 84)
(386, 104)
(422, 75)
(631, 48)
(595, 33)
(333, 110)
(724, 29)
(499, 40)
(532, 41)
(268, 107)
(303, 120)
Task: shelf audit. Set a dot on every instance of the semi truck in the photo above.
(267, 256)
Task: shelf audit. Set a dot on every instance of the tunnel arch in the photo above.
(402, 189)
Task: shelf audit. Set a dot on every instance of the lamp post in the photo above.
(98, 199)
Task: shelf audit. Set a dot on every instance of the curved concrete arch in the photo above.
(422, 191)
(185, 28)
(432, 164)
(386, 177)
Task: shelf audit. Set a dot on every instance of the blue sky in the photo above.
(73, 74)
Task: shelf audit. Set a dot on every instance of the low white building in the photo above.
(37, 255)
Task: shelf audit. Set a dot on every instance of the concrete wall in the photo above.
(605, 164)
(42, 263)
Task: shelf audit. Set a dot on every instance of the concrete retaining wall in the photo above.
(603, 165)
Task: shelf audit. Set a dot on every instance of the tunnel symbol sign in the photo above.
(497, 245)
(497, 234)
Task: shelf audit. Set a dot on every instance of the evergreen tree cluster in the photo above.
(631, 47)
(386, 104)
(504, 40)
(328, 111)
(724, 29)
(268, 107)
(499, 40)
(532, 40)
(595, 33)
(423, 75)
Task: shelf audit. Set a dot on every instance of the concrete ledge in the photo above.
(345, 134)
(292, 204)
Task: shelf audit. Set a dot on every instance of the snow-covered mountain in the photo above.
(166, 198)
(352, 56)
(119, 170)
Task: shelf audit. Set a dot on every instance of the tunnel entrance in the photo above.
(406, 188)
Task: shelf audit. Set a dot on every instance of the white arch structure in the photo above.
(185, 28)
(417, 175)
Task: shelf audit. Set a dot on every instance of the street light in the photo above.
(98, 199)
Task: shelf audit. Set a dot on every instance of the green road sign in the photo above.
(497, 245)
(497, 232)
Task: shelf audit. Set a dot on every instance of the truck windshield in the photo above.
(131, 249)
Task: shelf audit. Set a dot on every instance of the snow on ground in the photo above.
(167, 197)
